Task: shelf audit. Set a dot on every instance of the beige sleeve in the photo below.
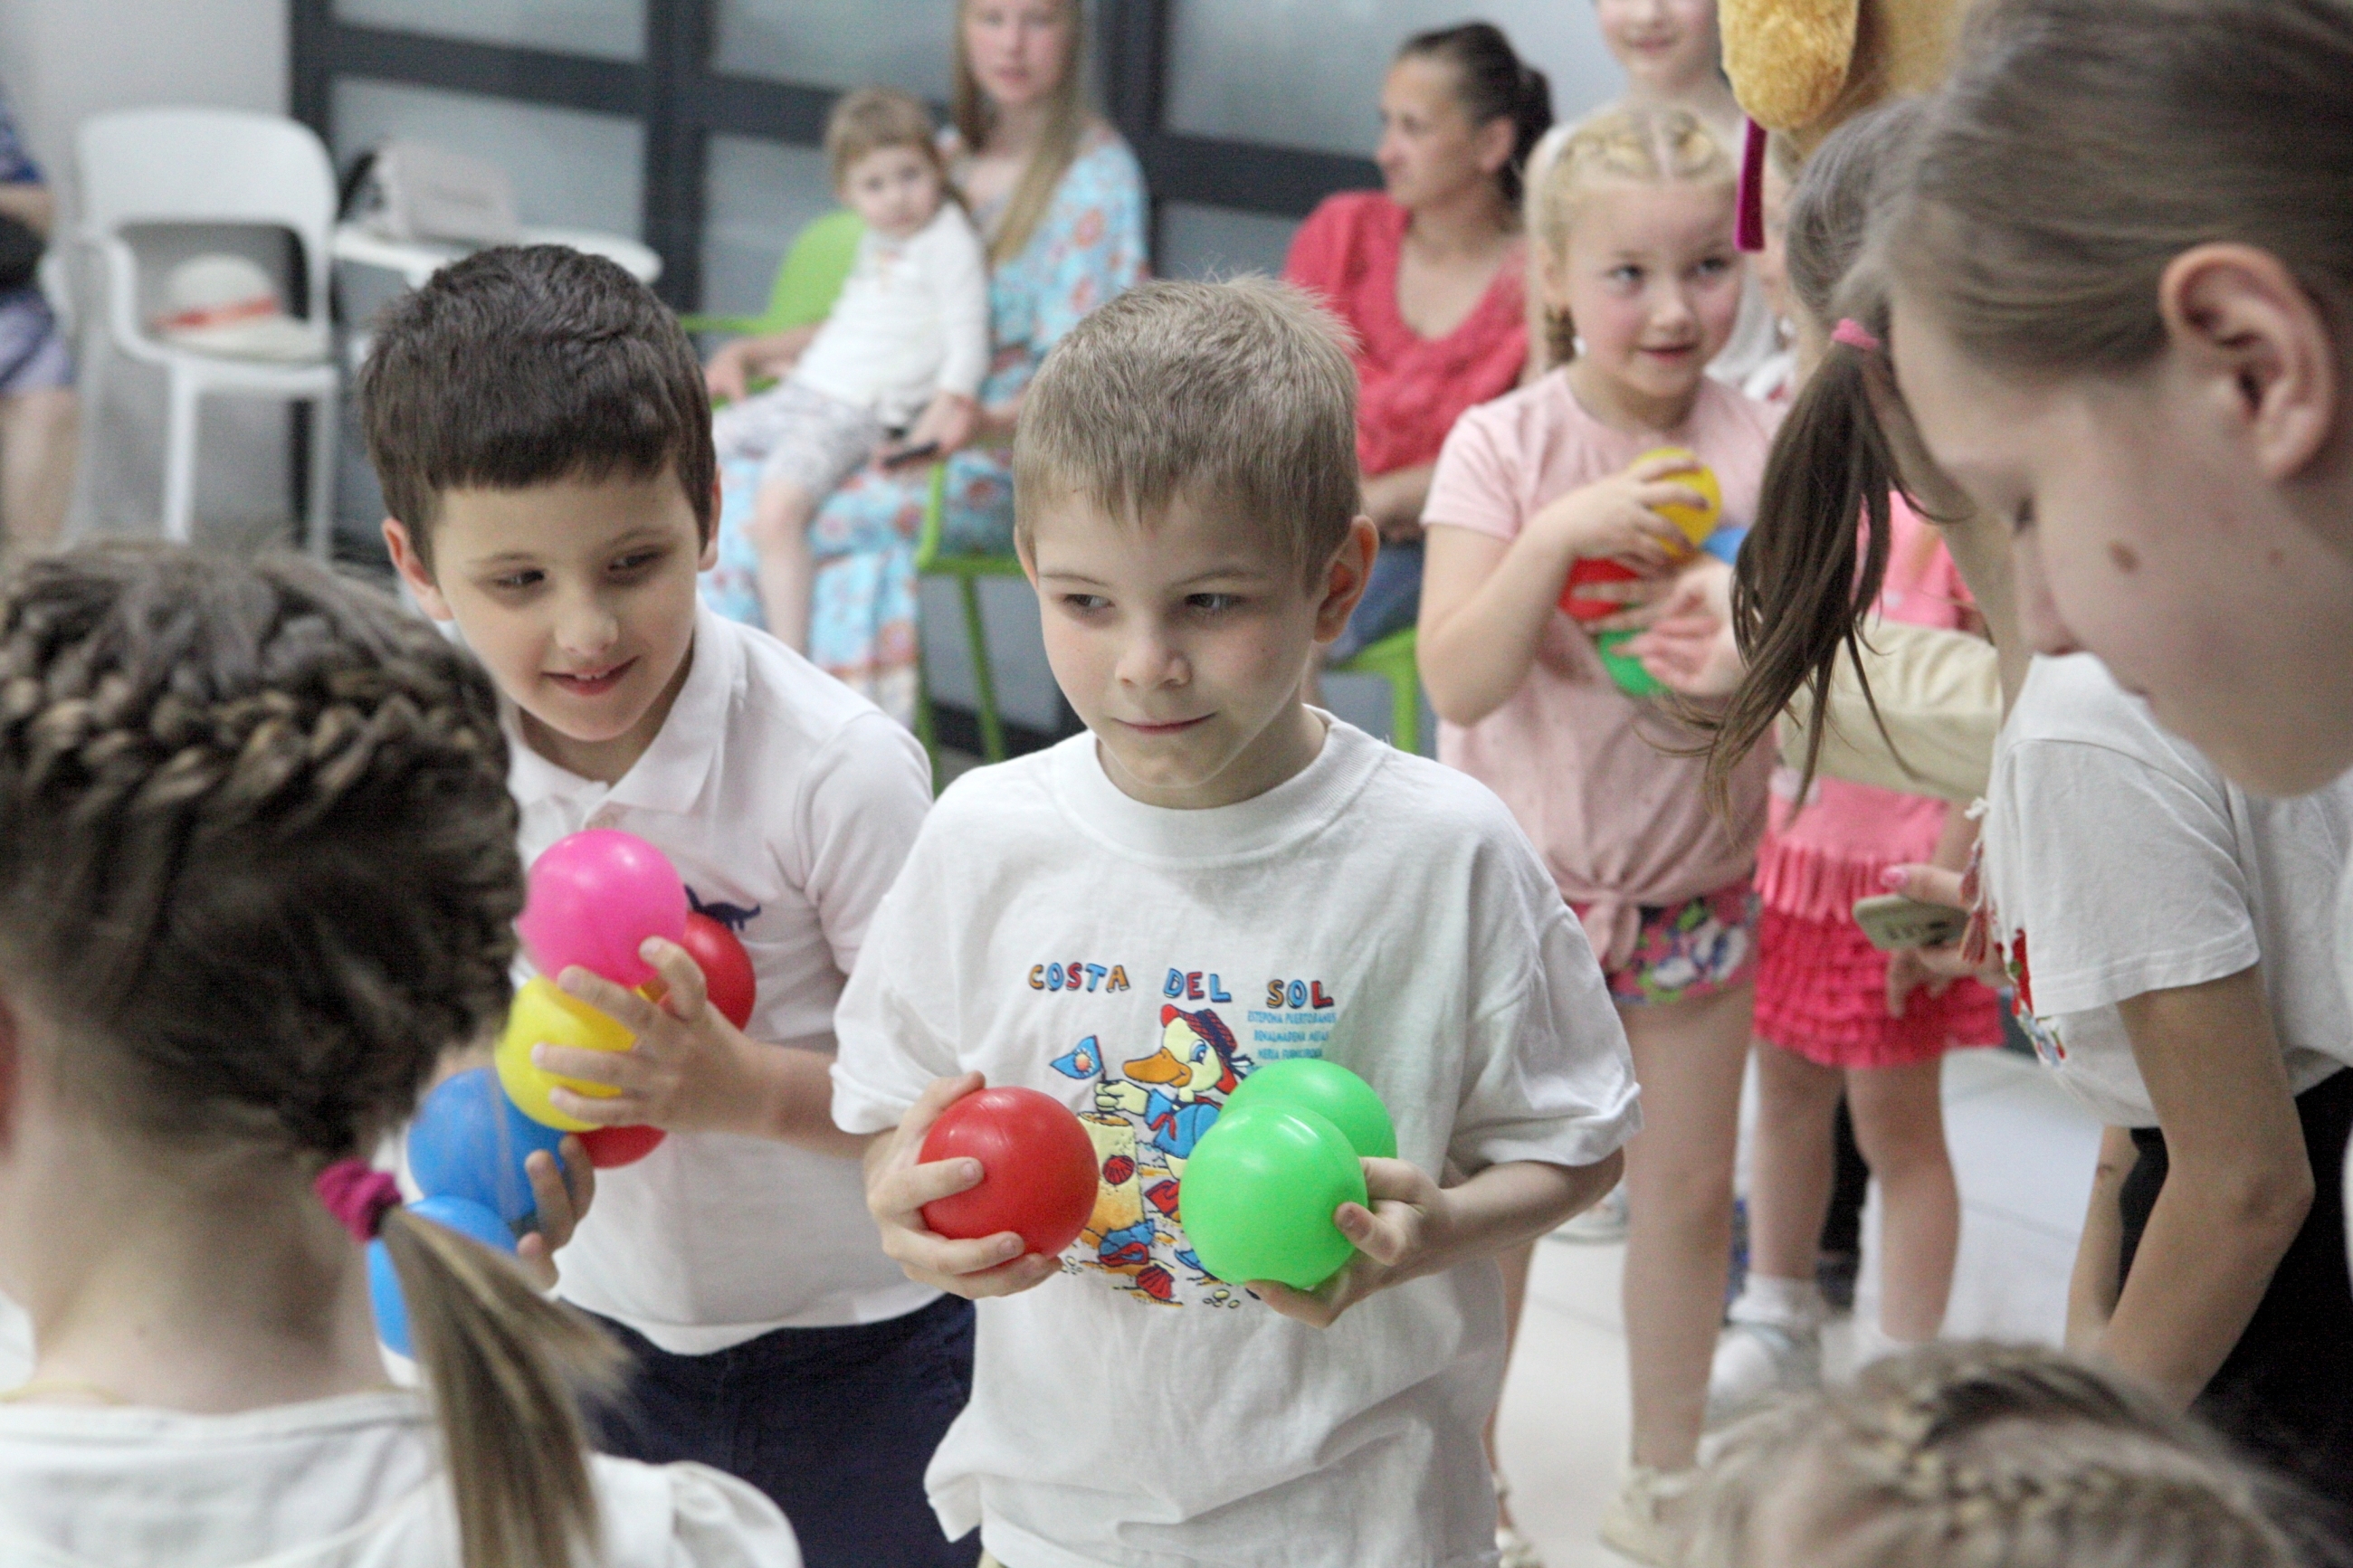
(1938, 693)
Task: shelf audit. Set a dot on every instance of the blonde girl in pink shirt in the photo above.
(1633, 254)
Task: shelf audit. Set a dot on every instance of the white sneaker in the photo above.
(1645, 1523)
(1755, 1363)
(1513, 1550)
(1605, 1222)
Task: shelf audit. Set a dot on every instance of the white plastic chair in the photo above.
(214, 166)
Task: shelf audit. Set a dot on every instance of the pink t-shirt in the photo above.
(1409, 388)
(1817, 860)
(1619, 822)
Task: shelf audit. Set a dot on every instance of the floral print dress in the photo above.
(1089, 247)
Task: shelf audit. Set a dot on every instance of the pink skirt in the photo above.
(1821, 993)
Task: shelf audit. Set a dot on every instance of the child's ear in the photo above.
(2240, 323)
(1345, 579)
(413, 573)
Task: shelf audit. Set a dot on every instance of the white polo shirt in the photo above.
(788, 802)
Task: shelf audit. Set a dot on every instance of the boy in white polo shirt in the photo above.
(1215, 877)
(544, 439)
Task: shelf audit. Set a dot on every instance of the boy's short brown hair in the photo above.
(524, 364)
(1237, 393)
(871, 119)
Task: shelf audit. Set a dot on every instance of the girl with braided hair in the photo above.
(1985, 1456)
(258, 873)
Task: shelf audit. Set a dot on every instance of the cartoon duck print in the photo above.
(1145, 1125)
(1197, 1056)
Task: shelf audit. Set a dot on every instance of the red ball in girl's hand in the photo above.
(1037, 1169)
(1593, 568)
(726, 968)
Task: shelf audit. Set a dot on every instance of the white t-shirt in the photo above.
(788, 802)
(911, 321)
(1135, 963)
(351, 1482)
(2118, 861)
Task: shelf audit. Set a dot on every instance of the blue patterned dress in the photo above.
(1089, 247)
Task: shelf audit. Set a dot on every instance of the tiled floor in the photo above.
(2024, 1153)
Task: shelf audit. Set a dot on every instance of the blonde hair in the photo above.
(1634, 143)
(1240, 392)
(2083, 145)
(871, 119)
(1058, 143)
(1984, 1456)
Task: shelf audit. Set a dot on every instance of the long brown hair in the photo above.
(257, 862)
(1058, 143)
(2083, 145)
(1986, 1455)
(1811, 566)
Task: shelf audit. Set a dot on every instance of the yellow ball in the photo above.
(1696, 522)
(541, 1014)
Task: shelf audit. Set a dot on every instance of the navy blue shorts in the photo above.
(836, 1425)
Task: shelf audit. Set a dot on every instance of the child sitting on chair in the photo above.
(892, 368)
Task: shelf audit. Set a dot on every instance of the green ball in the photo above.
(1626, 670)
(1258, 1196)
(1310, 1083)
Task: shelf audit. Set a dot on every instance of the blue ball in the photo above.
(468, 1219)
(470, 1142)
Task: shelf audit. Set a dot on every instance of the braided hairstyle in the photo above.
(1633, 143)
(1986, 1455)
(257, 865)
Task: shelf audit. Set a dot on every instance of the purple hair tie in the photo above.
(1855, 335)
(357, 1194)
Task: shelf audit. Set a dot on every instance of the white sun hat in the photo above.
(224, 304)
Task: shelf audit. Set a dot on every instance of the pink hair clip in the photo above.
(357, 1195)
(1855, 335)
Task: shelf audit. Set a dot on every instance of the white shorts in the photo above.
(799, 436)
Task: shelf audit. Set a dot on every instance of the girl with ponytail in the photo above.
(1824, 1024)
(258, 875)
(2155, 919)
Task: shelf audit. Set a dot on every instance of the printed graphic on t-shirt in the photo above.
(1155, 1099)
(2048, 1046)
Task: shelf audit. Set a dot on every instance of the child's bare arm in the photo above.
(731, 369)
(898, 1186)
(2092, 1287)
(1486, 601)
(1416, 1228)
(691, 1069)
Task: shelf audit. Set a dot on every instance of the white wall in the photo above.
(64, 60)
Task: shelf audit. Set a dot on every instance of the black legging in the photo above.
(2286, 1391)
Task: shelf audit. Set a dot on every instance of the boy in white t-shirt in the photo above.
(2168, 939)
(1214, 878)
(894, 367)
(541, 430)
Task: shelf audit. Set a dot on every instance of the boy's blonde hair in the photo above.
(1634, 144)
(1984, 1456)
(871, 119)
(1239, 394)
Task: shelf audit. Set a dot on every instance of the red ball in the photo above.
(1593, 568)
(726, 968)
(1037, 1163)
(610, 1148)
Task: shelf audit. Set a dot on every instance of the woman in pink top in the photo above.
(1641, 284)
(1427, 274)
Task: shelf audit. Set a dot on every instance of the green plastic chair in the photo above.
(1392, 658)
(967, 571)
(807, 281)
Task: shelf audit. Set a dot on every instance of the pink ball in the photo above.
(595, 897)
